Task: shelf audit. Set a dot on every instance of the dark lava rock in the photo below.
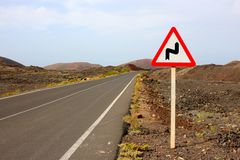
(229, 140)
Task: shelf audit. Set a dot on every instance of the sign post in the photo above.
(173, 107)
(173, 53)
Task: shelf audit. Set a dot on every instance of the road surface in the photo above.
(77, 122)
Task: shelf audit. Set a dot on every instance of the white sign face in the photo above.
(173, 52)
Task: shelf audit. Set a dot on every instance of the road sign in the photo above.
(173, 52)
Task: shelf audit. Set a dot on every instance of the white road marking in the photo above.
(45, 104)
(76, 145)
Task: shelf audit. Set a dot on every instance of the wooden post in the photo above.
(173, 107)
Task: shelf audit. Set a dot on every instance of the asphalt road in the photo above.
(76, 122)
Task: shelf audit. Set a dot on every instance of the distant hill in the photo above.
(228, 72)
(11, 63)
(234, 64)
(132, 67)
(209, 72)
(79, 66)
(142, 63)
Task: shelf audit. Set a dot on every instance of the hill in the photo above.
(132, 67)
(8, 62)
(142, 63)
(228, 72)
(78, 66)
(209, 72)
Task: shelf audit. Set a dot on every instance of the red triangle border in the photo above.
(173, 64)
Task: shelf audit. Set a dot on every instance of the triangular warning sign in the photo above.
(173, 52)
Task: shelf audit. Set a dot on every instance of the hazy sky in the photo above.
(42, 32)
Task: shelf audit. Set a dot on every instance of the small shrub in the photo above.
(131, 151)
(110, 73)
(202, 116)
(135, 108)
(11, 93)
(200, 134)
(133, 122)
(213, 129)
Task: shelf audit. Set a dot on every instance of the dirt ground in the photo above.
(14, 80)
(208, 119)
(18, 79)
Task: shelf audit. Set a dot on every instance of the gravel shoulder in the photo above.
(208, 118)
